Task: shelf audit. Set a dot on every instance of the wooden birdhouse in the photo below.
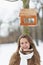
(28, 17)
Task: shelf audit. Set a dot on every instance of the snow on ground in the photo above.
(6, 51)
(39, 49)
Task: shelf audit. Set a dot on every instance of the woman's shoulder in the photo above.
(14, 55)
(13, 58)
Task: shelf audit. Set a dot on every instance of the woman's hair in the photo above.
(28, 37)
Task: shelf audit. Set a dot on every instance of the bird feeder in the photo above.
(28, 17)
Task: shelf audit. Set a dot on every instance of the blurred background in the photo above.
(10, 28)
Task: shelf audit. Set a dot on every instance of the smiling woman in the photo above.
(26, 53)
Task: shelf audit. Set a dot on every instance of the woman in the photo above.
(26, 53)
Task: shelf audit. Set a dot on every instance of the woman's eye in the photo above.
(26, 42)
(22, 43)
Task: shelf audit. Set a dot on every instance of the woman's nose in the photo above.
(24, 44)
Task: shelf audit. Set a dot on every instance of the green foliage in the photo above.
(26, 30)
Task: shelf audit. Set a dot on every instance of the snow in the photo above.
(9, 9)
(37, 5)
(6, 51)
(9, 15)
(4, 30)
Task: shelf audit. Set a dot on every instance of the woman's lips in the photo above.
(25, 49)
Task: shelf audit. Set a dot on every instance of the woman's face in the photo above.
(24, 44)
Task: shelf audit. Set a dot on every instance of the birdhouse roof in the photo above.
(28, 12)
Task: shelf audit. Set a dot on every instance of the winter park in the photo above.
(10, 28)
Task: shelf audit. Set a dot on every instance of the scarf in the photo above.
(25, 57)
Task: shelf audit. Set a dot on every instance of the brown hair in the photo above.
(36, 54)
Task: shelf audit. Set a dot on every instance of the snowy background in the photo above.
(9, 11)
(9, 14)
